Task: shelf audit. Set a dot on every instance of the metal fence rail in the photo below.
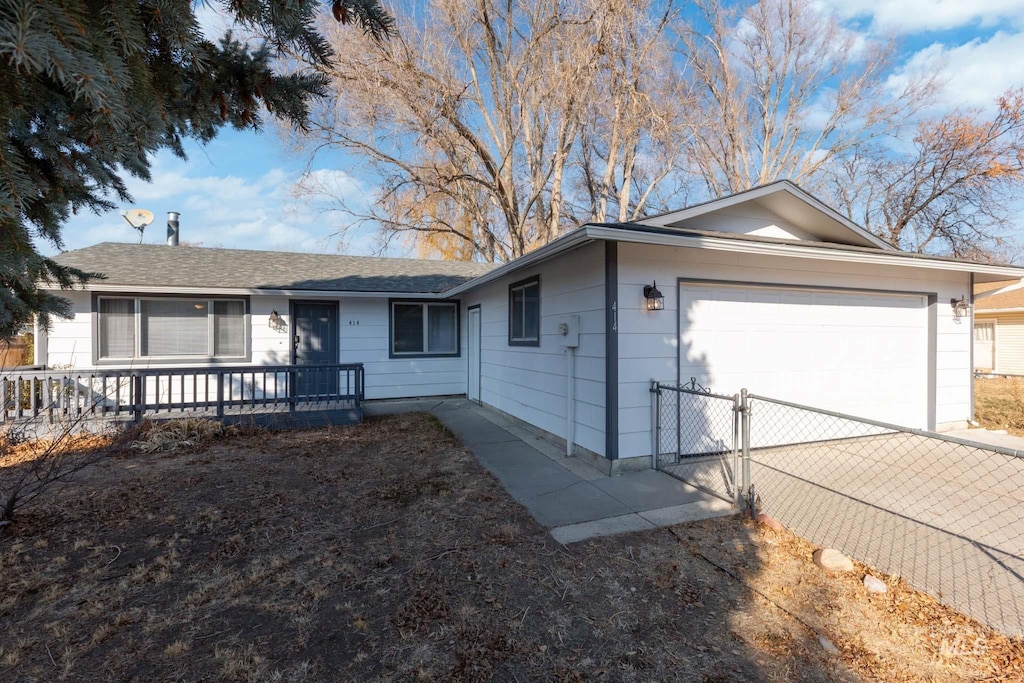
(222, 392)
(697, 437)
(943, 513)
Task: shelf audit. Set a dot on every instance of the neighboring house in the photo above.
(768, 290)
(999, 327)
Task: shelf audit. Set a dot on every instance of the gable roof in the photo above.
(787, 200)
(157, 265)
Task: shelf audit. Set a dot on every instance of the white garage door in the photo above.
(864, 354)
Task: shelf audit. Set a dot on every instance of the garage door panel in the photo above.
(859, 353)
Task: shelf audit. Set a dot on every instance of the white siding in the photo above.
(1009, 341)
(530, 382)
(648, 341)
(749, 219)
(363, 339)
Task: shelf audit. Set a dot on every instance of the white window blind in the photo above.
(117, 328)
(229, 328)
(983, 332)
(170, 328)
(175, 327)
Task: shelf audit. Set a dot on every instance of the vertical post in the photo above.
(656, 424)
(737, 439)
(220, 393)
(138, 397)
(745, 429)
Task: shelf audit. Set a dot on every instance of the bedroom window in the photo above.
(524, 313)
(424, 329)
(170, 329)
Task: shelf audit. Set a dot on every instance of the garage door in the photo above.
(864, 354)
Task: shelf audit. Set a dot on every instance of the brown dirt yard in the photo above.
(386, 552)
(999, 404)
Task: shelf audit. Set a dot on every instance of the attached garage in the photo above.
(859, 352)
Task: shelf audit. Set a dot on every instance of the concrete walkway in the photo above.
(566, 495)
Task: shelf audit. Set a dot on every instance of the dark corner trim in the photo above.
(611, 350)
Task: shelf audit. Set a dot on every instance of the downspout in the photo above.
(570, 400)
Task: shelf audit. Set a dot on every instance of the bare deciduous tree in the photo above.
(472, 120)
(634, 119)
(782, 90)
(952, 192)
(467, 117)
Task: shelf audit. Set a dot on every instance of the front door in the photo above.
(473, 354)
(315, 342)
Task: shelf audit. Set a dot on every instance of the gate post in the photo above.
(656, 425)
(745, 438)
(737, 440)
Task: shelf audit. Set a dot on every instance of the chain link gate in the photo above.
(698, 438)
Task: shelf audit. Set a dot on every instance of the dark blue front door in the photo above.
(315, 342)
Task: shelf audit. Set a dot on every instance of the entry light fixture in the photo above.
(960, 306)
(275, 319)
(655, 299)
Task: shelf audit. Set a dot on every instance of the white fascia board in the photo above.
(1002, 290)
(574, 239)
(799, 251)
(293, 293)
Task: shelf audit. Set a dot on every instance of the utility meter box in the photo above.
(569, 331)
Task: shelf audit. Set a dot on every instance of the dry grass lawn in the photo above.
(999, 404)
(385, 552)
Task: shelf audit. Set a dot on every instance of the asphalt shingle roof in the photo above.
(157, 265)
(1012, 299)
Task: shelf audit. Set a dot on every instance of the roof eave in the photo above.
(799, 251)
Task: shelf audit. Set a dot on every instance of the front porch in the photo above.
(279, 395)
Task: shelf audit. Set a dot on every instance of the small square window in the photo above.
(524, 313)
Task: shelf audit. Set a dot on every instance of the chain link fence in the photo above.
(946, 514)
(943, 513)
(698, 437)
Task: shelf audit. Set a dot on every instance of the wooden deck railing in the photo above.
(131, 395)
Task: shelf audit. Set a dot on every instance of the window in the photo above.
(524, 313)
(424, 329)
(167, 328)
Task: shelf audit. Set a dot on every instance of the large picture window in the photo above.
(524, 313)
(170, 328)
(424, 329)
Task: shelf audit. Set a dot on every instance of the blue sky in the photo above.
(238, 191)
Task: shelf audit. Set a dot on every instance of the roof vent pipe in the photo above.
(172, 228)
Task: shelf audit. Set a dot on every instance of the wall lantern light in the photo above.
(655, 299)
(275, 319)
(960, 307)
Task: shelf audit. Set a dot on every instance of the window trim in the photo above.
(455, 303)
(245, 357)
(523, 284)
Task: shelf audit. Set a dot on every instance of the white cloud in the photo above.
(263, 212)
(975, 73)
(912, 16)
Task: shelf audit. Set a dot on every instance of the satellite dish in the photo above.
(138, 219)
